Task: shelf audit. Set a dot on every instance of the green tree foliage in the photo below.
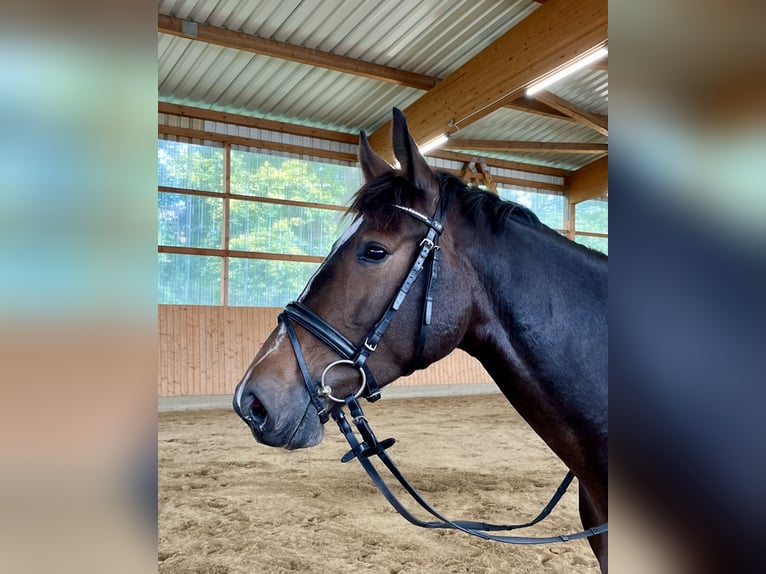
(186, 220)
(593, 216)
(197, 221)
(189, 220)
(265, 282)
(548, 207)
(299, 180)
(190, 166)
(189, 279)
(597, 243)
(285, 229)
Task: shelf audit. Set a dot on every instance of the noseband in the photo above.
(356, 355)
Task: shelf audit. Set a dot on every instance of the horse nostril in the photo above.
(254, 412)
(250, 408)
(258, 412)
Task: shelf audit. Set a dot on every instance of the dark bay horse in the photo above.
(529, 304)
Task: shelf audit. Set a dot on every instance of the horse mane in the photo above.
(483, 206)
(375, 201)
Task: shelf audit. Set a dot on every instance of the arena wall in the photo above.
(205, 350)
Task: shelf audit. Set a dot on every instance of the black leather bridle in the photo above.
(356, 357)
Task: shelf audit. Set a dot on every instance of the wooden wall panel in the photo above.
(206, 351)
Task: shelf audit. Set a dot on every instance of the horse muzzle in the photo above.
(274, 424)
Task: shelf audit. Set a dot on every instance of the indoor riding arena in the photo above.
(261, 106)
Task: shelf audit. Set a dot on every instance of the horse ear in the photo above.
(411, 160)
(371, 163)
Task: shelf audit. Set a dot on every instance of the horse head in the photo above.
(353, 292)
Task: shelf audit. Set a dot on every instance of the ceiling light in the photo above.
(568, 69)
(434, 143)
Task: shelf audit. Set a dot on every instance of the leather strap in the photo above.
(370, 446)
(428, 246)
(428, 300)
(321, 329)
(319, 404)
(330, 336)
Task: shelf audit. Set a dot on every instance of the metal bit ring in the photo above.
(326, 390)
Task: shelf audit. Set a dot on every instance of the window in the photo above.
(189, 220)
(256, 243)
(267, 283)
(548, 207)
(597, 243)
(189, 279)
(276, 177)
(592, 224)
(276, 228)
(190, 166)
(257, 239)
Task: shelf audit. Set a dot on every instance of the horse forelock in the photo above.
(376, 199)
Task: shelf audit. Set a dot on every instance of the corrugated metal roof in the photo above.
(229, 80)
(512, 125)
(431, 38)
(587, 89)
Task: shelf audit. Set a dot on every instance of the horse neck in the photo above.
(539, 329)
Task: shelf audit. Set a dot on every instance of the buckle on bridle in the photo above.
(369, 347)
(429, 242)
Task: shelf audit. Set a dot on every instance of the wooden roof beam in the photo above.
(264, 46)
(532, 106)
(557, 32)
(495, 162)
(295, 129)
(593, 121)
(525, 146)
(588, 182)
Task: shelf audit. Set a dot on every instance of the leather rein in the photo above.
(355, 356)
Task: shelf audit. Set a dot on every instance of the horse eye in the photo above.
(374, 252)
